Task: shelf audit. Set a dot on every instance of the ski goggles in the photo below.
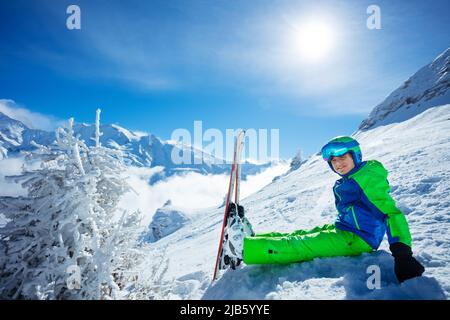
(336, 149)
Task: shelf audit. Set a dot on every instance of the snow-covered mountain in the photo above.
(16, 136)
(427, 88)
(139, 150)
(413, 145)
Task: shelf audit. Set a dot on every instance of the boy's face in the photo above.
(343, 164)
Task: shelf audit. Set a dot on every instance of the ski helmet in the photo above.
(339, 146)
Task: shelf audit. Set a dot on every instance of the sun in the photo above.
(314, 40)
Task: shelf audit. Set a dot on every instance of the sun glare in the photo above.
(315, 39)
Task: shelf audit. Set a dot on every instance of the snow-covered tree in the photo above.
(68, 239)
(297, 161)
(146, 281)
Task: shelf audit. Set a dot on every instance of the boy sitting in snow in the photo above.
(366, 211)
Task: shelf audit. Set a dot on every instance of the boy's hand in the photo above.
(406, 266)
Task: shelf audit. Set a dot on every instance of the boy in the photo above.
(366, 211)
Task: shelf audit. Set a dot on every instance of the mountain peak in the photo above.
(427, 88)
(139, 149)
(6, 121)
(444, 55)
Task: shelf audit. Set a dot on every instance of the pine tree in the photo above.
(297, 161)
(66, 239)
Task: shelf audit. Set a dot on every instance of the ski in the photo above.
(233, 187)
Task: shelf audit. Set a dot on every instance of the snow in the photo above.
(416, 154)
(128, 134)
(66, 222)
(427, 88)
(10, 134)
(140, 150)
(166, 221)
(180, 264)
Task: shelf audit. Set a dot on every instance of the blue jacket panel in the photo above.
(356, 213)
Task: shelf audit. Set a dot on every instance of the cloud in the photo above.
(190, 192)
(33, 120)
(256, 182)
(257, 53)
(11, 167)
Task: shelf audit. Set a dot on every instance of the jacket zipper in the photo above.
(354, 218)
(335, 191)
(351, 208)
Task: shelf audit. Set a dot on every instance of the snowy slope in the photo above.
(427, 88)
(416, 154)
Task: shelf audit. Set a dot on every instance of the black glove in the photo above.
(406, 266)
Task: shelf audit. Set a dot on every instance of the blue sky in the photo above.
(156, 66)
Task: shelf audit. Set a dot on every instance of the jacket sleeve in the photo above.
(376, 187)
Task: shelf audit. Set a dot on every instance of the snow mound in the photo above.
(166, 221)
(322, 278)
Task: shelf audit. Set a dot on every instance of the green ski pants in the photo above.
(302, 245)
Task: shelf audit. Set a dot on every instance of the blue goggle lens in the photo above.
(337, 149)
